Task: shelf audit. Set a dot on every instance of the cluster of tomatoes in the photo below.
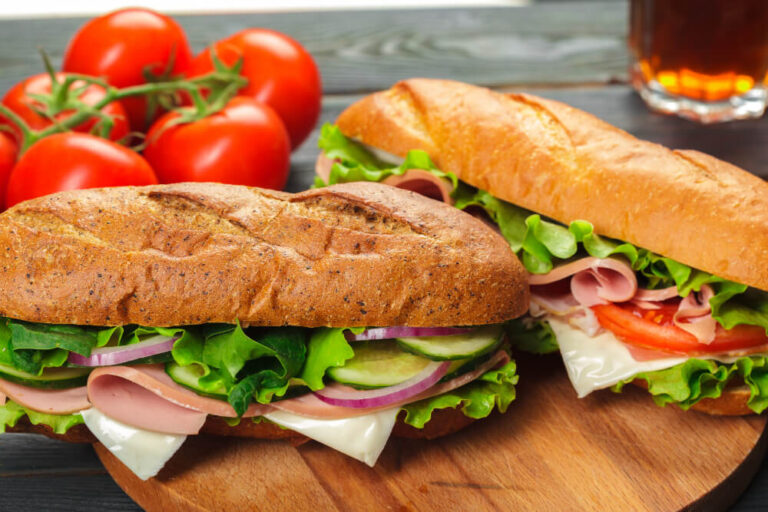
(133, 106)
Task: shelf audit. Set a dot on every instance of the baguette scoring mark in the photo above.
(342, 213)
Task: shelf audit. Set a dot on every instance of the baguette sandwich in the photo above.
(138, 316)
(646, 264)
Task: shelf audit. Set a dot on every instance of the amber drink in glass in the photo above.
(702, 59)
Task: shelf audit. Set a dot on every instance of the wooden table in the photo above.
(570, 51)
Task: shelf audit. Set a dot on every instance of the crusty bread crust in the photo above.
(443, 422)
(359, 254)
(566, 164)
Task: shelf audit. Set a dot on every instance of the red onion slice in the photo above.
(345, 396)
(385, 333)
(110, 356)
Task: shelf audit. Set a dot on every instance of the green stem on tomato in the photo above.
(28, 136)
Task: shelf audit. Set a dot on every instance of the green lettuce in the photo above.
(11, 413)
(532, 336)
(696, 379)
(495, 388)
(355, 163)
(328, 348)
(243, 365)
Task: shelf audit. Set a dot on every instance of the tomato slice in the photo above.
(655, 329)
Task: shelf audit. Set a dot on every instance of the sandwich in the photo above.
(646, 265)
(137, 316)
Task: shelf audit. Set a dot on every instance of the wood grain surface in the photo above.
(571, 51)
(550, 451)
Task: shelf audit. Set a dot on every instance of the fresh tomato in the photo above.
(654, 328)
(280, 73)
(8, 151)
(20, 99)
(124, 45)
(245, 143)
(69, 161)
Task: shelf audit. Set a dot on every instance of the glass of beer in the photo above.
(706, 60)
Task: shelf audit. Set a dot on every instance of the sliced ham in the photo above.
(134, 405)
(694, 315)
(570, 289)
(323, 166)
(311, 406)
(49, 401)
(145, 396)
(424, 183)
(593, 281)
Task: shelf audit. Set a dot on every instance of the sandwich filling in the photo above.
(142, 390)
(617, 312)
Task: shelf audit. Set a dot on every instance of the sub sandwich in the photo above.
(139, 316)
(647, 265)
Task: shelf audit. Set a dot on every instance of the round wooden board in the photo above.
(551, 451)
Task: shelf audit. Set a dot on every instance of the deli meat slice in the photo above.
(424, 183)
(694, 315)
(50, 401)
(323, 166)
(145, 396)
(593, 281)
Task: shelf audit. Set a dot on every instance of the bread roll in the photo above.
(566, 164)
(359, 254)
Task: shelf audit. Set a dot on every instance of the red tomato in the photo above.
(654, 328)
(280, 73)
(69, 161)
(18, 99)
(245, 143)
(7, 161)
(121, 45)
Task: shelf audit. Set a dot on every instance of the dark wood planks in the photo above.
(365, 50)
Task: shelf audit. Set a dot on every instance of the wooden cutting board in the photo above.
(551, 451)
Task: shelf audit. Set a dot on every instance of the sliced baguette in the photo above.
(567, 164)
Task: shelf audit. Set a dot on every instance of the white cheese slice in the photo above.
(361, 437)
(600, 361)
(142, 451)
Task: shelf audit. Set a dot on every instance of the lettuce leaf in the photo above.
(696, 379)
(495, 388)
(328, 348)
(11, 413)
(532, 336)
(358, 164)
(243, 365)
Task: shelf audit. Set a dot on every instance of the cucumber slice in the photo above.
(378, 364)
(189, 377)
(458, 346)
(51, 378)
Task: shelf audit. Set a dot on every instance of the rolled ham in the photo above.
(424, 183)
(570, 289)
(694, 315)
(591, 281)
